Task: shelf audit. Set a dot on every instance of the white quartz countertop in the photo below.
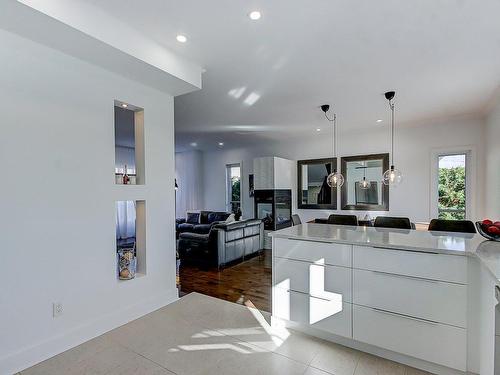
(461, 244)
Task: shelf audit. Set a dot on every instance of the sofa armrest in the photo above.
(180, 220)
(229, 226)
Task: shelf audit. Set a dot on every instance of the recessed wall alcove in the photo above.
(129, 144)
(131, 231)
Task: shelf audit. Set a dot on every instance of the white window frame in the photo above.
(470, 179)
(229, 187)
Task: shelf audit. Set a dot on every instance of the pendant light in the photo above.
(392, 176)
(334, 179)
(364, 183)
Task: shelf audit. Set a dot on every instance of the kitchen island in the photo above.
(426, 299)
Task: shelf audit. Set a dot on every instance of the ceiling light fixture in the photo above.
(379, 121)
(255, 15)
(318, 129)
(392, 176)
(181, 38)
(193, 144)
(334, 179)
(221, 144)
(124, 105)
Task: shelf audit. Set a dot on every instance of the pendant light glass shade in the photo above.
(335, 180)
(392, 176)
(364, 184)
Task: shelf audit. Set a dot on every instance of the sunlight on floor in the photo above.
(276, 335)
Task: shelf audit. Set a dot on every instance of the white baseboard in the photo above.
(39, 352)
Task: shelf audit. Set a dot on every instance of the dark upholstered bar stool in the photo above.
(393, 222)
(296, 219)
(343, 219)
(463, 226)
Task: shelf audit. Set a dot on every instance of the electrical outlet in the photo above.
(57, 309)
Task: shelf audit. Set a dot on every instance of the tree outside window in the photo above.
(234, 187)
(452, 187)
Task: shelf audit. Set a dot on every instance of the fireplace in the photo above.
(274, 207)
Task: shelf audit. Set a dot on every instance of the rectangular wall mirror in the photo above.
(313, 191)
(363, 188)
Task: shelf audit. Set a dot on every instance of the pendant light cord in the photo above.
(391, 105)
(334, 142)
(334, 135)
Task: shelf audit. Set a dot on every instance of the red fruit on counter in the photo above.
(487, 222)
(493, 230)
(497, 224)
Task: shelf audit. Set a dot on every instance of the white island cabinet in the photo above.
(425, 299)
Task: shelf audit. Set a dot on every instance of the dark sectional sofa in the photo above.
(224, 243)
(199, 222)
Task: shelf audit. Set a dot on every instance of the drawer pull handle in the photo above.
(432, 322)
(319, 241)
(407, 277)
(410, 251)
(305, 294)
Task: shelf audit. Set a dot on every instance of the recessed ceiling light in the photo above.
(124, 105)
(181, 38)
(221, 144)
(379, 120)
(193, 144)
(255, 15)
(318, 129)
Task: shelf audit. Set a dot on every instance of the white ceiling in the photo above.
(441, 56)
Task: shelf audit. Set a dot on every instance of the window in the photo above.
(452, 176)
(233, 187)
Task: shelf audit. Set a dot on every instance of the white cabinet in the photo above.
(310, 251)
(312, 284)
(434, 342)
(409, 302)
(452, 268)
(318, 280)
(333, 316)
(429, 299)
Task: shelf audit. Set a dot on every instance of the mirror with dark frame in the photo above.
(313, 191)
(363, 188)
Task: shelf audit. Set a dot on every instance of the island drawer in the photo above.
(451, 268)
(312, 251)
(332, 316)
(315, 279)
(434, 342)
(422, 298)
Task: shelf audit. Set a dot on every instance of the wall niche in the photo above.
(129, 144)
(131, 239)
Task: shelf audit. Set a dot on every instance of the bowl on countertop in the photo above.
(482, 232)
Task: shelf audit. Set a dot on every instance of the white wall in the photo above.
(58, 202)
(493, 162)
(189, 175)
(414, 146)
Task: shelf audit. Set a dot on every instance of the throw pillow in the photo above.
(193, 218)
(230, 219)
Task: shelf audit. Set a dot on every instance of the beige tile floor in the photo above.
(203, 335)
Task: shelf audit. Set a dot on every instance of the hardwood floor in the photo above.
(247, 283)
